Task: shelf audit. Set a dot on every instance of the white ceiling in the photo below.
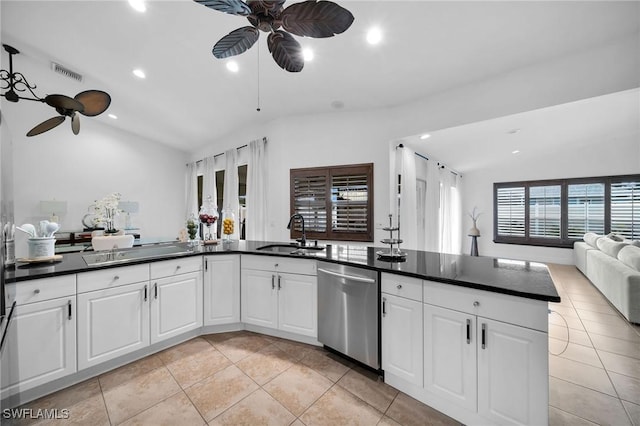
(189, 98)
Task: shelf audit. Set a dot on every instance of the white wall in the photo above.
(80, 169)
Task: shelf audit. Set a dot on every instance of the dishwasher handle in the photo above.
(348, 277)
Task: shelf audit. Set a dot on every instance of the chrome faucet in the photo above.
(303, 240)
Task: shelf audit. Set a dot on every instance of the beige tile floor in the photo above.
(244, 378)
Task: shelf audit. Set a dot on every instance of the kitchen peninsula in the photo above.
(466, 335)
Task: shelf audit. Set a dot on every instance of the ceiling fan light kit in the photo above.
(89, 103)
(311, 18)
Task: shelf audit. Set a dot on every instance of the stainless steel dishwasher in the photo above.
(348, 317)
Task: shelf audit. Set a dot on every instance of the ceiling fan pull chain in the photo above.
(258, 77)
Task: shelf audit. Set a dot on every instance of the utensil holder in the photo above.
(41, 247)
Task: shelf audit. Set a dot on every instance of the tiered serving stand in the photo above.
(394, 254)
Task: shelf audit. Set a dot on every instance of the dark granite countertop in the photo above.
(519, 278)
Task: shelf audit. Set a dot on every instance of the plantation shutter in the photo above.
(310, 200)
(336, 202)
(544, 211)
(625, 209)
(585, 209)
(510, 203)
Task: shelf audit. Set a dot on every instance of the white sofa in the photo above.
(614, 268)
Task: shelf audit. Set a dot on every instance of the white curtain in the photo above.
(408, 208)
(231, 188)
(209, 180)
(256, 219)
(449, 213)
(191, 190)
(432, 211)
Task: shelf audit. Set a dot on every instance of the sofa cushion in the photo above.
(592, 238)
(630, 256)
(632, 242)
(615, 237)
(610, 247)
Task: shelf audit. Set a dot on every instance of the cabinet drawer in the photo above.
(114, 277)
(42, 289)
(169, 268)
(410, 288)
(502, 307)
(279, 264)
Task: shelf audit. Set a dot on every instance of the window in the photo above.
(242, 195)
(557, 213)
(336, 202)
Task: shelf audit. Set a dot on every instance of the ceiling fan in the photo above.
(89, 103)
(311, 18)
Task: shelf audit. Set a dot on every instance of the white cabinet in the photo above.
(280, 293)
(450, 355)
(112, 322)
(41, 343)
(221, 289)
(402, 338)
(176, 303)
(512, 373)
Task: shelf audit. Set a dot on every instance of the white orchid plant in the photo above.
(106, 210)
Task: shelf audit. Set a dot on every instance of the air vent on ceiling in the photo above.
(65, 71)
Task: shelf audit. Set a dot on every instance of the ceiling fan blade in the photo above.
(236, 42)
(233, 7)
(63, 103)
(75, 123)
(94, 102)
(286, 51)
(316, 19)
(46, 125)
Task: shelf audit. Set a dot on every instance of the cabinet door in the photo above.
(450, 355)
(221, 289)
(41, 344)
(176, 305)
(112, 322)
(259, 298)
(402, 338)
(513, 381)
(298, 304)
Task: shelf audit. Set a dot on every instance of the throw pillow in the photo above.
(610, 247)
(630, 256)
(592, 238)
(615, 237)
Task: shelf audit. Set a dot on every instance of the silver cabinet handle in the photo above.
(178, 268)
(36, 291)
(468, 331)
(476, 303)
(145, 293)
(399, 286)
(279, 286)
(116, 278)
(69, 308)
(273, 282)
(206, 265)
(384, 306)
(155, 290)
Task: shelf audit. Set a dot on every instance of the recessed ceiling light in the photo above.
(115, 117)
(233, 66)
(515, 152)
(513, 131)
(139, 73)
(425, 136)
(308, 54)
(138, 5)
(337, 104)
(374, 36)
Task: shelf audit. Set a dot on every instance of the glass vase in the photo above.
(208, 216)
(192, 230)
(228, 224)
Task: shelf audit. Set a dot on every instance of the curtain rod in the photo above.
(237, 149)
(441, 165)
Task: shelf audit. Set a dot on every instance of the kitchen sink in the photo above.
(290, 249)
(120, 256)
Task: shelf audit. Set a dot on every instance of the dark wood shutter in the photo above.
(336, 202)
